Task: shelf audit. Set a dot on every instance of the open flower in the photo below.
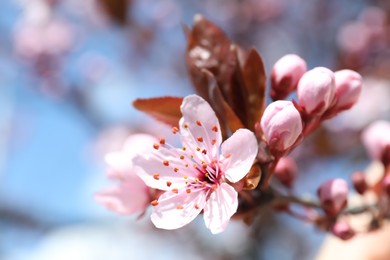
(131, 195)
(196, 177)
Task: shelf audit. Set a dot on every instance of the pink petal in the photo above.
(174, 210)
(219, 208)
(242, 148)
(200, 122)
(127, 198)
(158, 170)
(119, 165)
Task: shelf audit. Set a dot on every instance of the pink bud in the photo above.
(286, 171)
(376, 139)
(333, 196)
(342, 230)
(348, 88)
(359, 182)
(316, 90)
(281, 124)
(285, 75)
(386, 184)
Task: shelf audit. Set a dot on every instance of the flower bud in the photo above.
(376, 139)
(348, 85)
(281, 124)
(285, 75)
(342, 230)
(333, 196)
(316, 90)
(359, 182)
(386, 184)
(286, 171)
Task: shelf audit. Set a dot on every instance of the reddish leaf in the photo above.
(255, 84)
(117, 10)
(164, 109)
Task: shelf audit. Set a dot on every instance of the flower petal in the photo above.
(238, 154)
(174, 210)
(199, 127)
(164, 169)
(127, 198)
(219, 208)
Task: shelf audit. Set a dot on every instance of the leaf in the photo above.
(225, 113)
(255, 84)
(164, 109)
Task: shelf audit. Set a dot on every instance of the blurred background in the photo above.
(69, 71)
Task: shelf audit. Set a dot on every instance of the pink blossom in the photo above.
(359, 182)
(333, 196)
(286, 171)
(281, 124)
(376, 139)
(316, 90)
(131, 195)
(194, 176)
(347, 88)
(285, 75)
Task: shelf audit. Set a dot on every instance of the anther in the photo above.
(184, 148)
(175, 130)
(198, 123)
(169, 183)
(186, 165)
(182, 157)
(228, 155)
(198, 149)
(176, 169)
(162, 140)
(185, 177)
(185, 125)
(188, 190)
(200, 139)
(154, 203)
(156, 176)
(175, 190)
(196, 206)
(179, 207)
(214, 128)
(204, 151)
(213, 141)
(156, 146)
(166, 163)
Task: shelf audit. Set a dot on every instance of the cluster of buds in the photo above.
(322, 94)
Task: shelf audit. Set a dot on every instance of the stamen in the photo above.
(196, 206)
(154, 203)
(185, 177)
(182, 157)
(213, 141)
(214, 128)
(198, 123)
(169, 183)
(166, 163)
(186, 165)
(200, 139)
(156, 146)
(162, 140)
(156, 176)
(198, 149)
(175, 190)
(179, 207)
(185, 125)
(175, 130)
(184, 148)
(204, 151)
(176, 169)
(188, 190)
